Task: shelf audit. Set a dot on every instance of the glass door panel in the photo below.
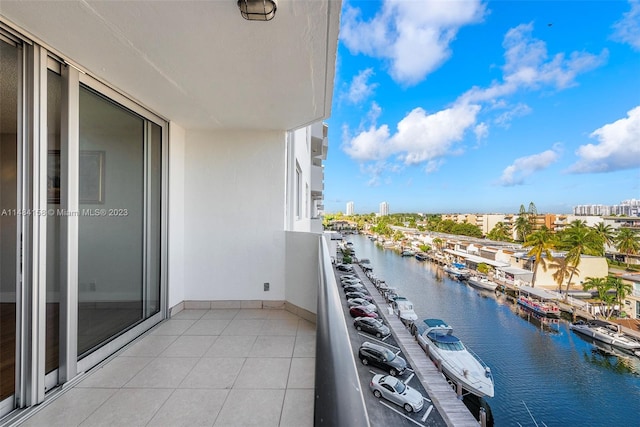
(52, 351)
(118, 240)
(9, 99)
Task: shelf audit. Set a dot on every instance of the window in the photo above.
(298, 190)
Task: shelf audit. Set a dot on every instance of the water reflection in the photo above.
(611, 358)
(545, 324)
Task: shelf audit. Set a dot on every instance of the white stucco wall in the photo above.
(234, 242)
(176, 248)
(302, 269)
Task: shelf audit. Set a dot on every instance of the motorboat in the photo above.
(459, 364)
(482, 283)
(540, 307)
(606, 333)
(403, 308)
(457, 271)
(408, 253)
(421, 256)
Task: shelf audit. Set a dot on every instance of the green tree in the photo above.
(484, 268)
(606, 232)
(627, 242)
(561, 270)
(522, 226)
(500, 232)
(622, 289)
(438, 242)
(602, 285)
(579, 239)
(541, 243)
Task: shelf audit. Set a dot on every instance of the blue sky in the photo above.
(483, 106)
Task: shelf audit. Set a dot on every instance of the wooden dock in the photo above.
(444, 399)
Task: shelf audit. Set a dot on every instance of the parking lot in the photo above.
(381, 411)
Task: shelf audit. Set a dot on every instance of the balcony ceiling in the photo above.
(198, 63)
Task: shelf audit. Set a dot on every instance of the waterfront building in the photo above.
(630, 207)
(384, 209)
(350, 210)
(198, 184)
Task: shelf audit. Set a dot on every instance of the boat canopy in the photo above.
(540, 293)
(444, 338)
(435, 323)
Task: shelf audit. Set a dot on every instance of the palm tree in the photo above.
(438, 242)
(562, 270)
(603, 286)
(606, 233)
(522, 226)
(541, 242)
(627, 242)
(622, 289)
(579, 239)
(500, 232)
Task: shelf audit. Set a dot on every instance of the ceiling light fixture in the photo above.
(258, 10)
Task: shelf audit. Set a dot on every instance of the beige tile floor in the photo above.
(227, 367)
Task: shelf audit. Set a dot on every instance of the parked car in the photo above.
(348, 276)
(352, 302)
(361, 294)
(353, 288)
(345, 267)
(397, 392)
(350, 280)
(360, 311)
(371, 326)
(382, 357)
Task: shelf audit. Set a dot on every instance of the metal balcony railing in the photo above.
(338, 395)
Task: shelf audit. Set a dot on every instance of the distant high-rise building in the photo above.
(629, 207)
(384, 209)
(349, 208)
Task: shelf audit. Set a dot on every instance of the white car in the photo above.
(397, 392)
(361, 302)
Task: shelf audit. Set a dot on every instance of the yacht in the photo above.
(459, 364)
(482, 283)
(606, 333)
(403, 308)
(457, 271)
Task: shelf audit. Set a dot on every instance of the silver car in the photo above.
(397, 392)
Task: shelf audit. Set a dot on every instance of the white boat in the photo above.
(482, 283)
(403, 308)
(458, 363)
(605, 332)
(457, 271)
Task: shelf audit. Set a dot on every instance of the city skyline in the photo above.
(628, 207)
(485, 106)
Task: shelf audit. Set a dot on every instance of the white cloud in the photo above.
(627, 30)
(420, 137)
(360, 88)
(504, 119)
(527, 66)
(523, 167)
(618, 147)
(414, 36)
(481, 130)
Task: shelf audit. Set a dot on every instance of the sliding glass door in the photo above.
(10, 80)
(83, 184)
(119, 231)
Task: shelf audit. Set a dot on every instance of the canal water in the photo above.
(544, 373)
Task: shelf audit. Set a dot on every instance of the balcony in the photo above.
(317, 180)
(319, 140)
(231, 367)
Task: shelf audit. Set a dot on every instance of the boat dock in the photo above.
(440, 392)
